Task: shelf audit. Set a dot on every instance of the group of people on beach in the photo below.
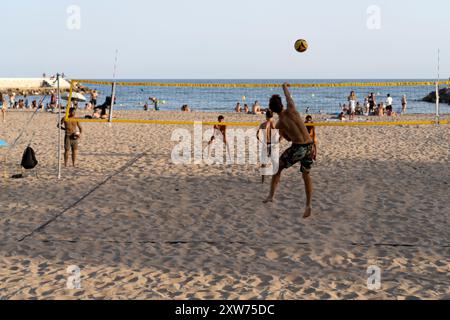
(256, 108)
(370, 107)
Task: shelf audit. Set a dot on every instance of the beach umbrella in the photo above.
(76, 97)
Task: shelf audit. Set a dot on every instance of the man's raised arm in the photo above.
(290, 101)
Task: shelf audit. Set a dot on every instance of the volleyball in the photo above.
(301, 45)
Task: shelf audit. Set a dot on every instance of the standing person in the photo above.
(3, 106)
(312, 133)
(53, 101)
(155, 102)
(404, 104)
(389, 103)
(372, 103)
(293, 129)
(366, 106)
(238, 108)
(267, 127)
(12, 100)
(73, 135)
(94, 96)
(352, 104)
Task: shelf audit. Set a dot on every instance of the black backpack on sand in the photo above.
(29, 160)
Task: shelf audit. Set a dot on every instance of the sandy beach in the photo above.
(140, 227)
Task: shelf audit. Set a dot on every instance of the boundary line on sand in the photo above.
(180, 242)
(73, 205)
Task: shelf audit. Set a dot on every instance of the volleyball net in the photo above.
(123, 102)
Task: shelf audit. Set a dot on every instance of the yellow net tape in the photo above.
(266, 85)
(256, 124)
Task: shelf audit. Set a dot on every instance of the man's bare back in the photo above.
(290, 124)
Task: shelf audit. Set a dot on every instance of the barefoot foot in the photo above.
(268, 200)
(308, 212)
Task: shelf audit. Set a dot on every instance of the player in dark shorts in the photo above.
(292, 128)
(298, 153)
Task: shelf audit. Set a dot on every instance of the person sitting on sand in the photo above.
(105, 106)
(267, 127)
(246, 109)
(185, 108)
(312, 133)
(73, 135)
(238, 108)
(256, 109)
(341, 116)
(381, 110)
(292, 128)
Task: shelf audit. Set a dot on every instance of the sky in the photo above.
(232, 39)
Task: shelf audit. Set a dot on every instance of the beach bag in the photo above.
(29, 160)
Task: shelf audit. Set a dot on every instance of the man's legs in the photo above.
(74, 155)
(309, 192)
(66, 157)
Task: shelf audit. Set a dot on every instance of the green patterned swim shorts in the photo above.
(298, 153)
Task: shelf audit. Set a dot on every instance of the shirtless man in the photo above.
(73, 134)
(293, 129)
(266, 127)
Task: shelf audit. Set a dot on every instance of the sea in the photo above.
(326, 100)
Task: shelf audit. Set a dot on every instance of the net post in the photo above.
(58, 127)
(69, 101)
(111, 107)
(437, 104)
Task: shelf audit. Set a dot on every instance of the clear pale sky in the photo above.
(225, 39)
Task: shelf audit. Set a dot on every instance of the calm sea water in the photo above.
(326, 100)
(318, 100)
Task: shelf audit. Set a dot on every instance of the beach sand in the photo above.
(140, 227)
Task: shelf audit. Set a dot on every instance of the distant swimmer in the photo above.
(293, 129)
